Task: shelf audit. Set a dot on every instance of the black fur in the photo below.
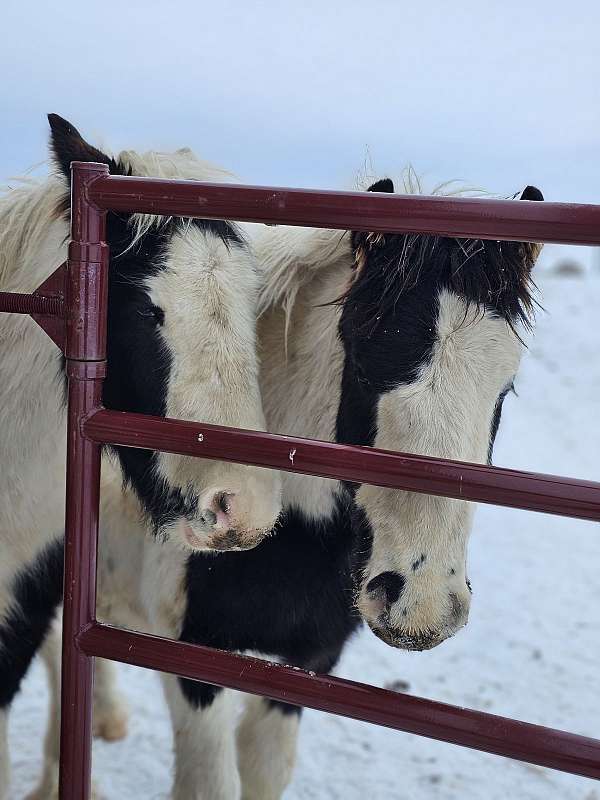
(384, 185)
(36, 591)
(531, 193)
(285, 708)
(390, 584)
(290, 597)
(496, 421)
(68, 145)
(138, 359)
(419, 562)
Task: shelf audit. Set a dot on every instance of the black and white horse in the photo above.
(181, 342)
(416, 355)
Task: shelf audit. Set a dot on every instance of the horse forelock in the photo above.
(489, 274)
(486, 273)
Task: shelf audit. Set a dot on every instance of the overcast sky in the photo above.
(499, 94)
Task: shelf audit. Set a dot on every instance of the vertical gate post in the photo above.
(85, 352)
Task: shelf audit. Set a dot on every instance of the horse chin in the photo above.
(235, 540)
(219, 540)
(408, 640)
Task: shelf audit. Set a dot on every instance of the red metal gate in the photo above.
(71, 306)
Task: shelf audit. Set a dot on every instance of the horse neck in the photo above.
(302, 357)
(32, 391)
(33, 243)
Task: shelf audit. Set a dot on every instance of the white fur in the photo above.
(209, 295)
(183, 163)
(47, 788)
(301, 355)
(205, 757)
(266, 741)
(50, 653)
(111, 714)
(32, 419)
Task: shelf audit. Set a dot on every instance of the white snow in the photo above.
(530, 650)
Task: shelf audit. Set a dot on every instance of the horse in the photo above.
(406, 342)
(181, 343)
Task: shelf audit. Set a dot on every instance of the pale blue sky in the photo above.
(498, 94)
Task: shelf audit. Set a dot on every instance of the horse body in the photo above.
(169, 280)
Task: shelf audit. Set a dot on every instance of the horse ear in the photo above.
(531, 193)
(384, 185)
(67, 145)
(362, 242)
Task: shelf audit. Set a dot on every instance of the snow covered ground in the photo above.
(530, 651)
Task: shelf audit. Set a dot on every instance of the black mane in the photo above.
(494, 276)
(491, 275)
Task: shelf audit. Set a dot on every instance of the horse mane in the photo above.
(28, 206)
(181, 164)
(412, 183)
(294, 257)
(27, 209)
(485, 273)
(489, 273)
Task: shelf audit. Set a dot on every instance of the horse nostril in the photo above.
(390, 584)
(223, 502)
(457, 607)
(208, 517)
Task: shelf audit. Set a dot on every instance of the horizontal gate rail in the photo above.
(465, 217)
(478, 730)
(15, 303)
(506, 487)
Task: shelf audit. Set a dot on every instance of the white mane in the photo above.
(29, 207)
(182, 164)
(410, 182)
(290, 256)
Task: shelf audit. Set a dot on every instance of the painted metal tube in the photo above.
(15, 303)
(506, 487)
(463, 217)
(85, 350)
(475, 729)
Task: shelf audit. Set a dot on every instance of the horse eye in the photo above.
(153, 312)
(360, 374)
